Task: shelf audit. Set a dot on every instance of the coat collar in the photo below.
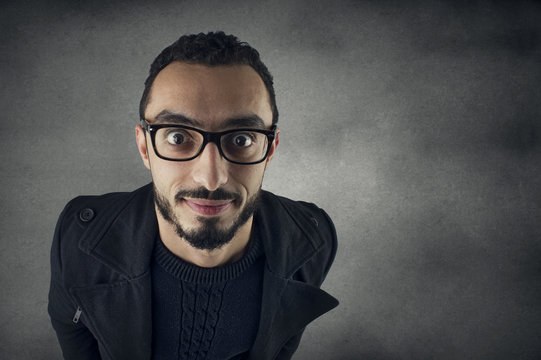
(123, 232)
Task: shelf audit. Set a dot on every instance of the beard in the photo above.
(208, 236)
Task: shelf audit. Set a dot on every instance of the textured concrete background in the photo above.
(416, 125)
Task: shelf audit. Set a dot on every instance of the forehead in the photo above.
(209, 94)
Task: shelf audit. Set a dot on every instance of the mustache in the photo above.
(202, 193)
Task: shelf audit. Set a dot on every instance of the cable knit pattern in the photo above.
(215, 311)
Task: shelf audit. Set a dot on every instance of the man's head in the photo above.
(207, 195)
(212, 49)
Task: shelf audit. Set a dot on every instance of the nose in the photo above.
(210, 169)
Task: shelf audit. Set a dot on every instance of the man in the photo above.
(201, 263)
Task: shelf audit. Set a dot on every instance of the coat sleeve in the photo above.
(332, 244)
(316, 270)
(76, 341)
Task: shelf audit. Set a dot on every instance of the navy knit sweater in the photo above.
(205, 313)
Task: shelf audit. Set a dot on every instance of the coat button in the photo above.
(86, 215)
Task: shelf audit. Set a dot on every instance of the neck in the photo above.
(230, 252)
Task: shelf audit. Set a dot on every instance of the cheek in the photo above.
(169, 176)
(249, 176)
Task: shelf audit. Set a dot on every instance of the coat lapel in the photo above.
(119, 312)
(290, 239)
(122, 235)
(288, 306)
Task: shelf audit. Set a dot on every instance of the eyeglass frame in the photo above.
(208, 137)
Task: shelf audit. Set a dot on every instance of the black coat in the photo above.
(100, 294)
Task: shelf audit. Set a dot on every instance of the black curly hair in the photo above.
(213, 48)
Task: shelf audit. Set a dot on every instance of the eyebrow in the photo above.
(249, 121)
(166, 116)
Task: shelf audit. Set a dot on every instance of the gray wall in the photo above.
(416, 125)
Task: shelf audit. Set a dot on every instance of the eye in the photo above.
(176, 138)
(242, 140)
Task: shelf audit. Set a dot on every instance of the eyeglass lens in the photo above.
(239, 146)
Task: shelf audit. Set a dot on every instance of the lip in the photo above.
(208, 207)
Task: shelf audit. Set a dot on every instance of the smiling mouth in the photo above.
(208, 207)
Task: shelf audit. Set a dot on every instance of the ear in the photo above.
(141, 139)
(274, 145)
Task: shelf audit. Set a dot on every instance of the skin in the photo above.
(210, 97)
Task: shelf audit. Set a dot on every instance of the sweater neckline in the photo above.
(187, 272)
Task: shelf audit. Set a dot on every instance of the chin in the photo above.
(206, 232)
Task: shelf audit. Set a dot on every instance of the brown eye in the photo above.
(176, 138)
(242, 140)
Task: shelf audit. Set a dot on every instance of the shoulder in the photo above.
(80, 212)
(85, 207)
(306, 215)
(84, 223)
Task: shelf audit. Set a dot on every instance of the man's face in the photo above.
(208, 198)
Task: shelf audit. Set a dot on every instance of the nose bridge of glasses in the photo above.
(211, 137)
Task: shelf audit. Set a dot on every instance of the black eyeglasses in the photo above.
(183, 143)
